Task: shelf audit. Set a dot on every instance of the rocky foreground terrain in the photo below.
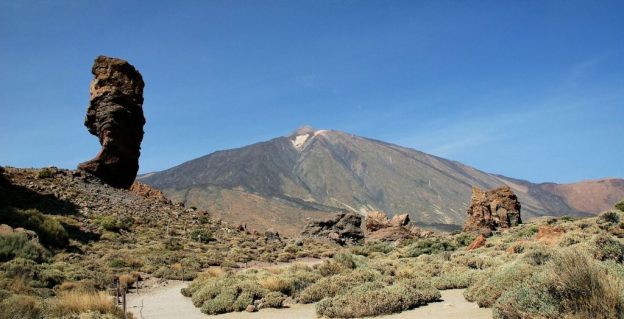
(64, 231)
(66, 238)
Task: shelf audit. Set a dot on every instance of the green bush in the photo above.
(22, 307)
(202, 236)
(464, 239)
(608, 217)
(570, 286)
(429, 246)
(173, 244)
(272, 299)
(373, 299)
(620, 205)
(113, 224)
(487, 289)
(44, 173)
(375, 247)
(337, 284)
(50, 231)
(456, 280)
(18, 245)
(227, 294)
(608, 247)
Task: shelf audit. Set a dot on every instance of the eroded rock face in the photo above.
(491, 210)
(115, 116)
(344, 228)
(378, 227)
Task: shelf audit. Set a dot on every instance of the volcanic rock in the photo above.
(343, 228)
(477, 242)
(115, 116)
(400, 220)
(379, 227)
(144, 190)
(491, 210)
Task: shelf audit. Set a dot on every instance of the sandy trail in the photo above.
(167, 302)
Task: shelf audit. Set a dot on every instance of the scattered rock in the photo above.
(115, 116)
(376, 220)
(250, 308)
(494, 209)
(549, 235)
(343, 228)
(379, 227)
(400, 220)
(144, 190)
(30, 235)
(478, 242)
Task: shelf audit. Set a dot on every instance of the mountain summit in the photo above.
(280, 182)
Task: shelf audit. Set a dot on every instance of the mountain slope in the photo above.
(324, 170)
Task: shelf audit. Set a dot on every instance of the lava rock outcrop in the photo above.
(378, 227)
(491, 210)
(115, 116)
(343, 228)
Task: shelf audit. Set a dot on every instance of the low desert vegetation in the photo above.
(69, 269)
(576, 271)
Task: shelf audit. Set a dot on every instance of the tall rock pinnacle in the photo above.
(115, 116)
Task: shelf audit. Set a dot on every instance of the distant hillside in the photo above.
(279, 182)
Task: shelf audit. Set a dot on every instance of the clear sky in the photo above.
(528, 89)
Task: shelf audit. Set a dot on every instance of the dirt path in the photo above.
(167, 302)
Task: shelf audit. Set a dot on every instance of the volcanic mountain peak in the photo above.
(304, 134)
(310, 172)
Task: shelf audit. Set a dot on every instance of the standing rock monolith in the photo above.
(115, 116)
(491, 210)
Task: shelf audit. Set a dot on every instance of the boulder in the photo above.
(144, 190)
(492, 210)
(549, 235)
(380, 228)
(476, 243)
(115, 116)
(343, 228)
(400, 220)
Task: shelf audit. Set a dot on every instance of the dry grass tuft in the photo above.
(275, 284)
(76, 302)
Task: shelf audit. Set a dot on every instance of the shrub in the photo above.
(461, 278)
(373, 298)
(274, 283)
(272, 299)
(77, 302)
(608, 247)
(113, 224)
(18, 245)
(571, 286)
(50, 231)
(22, 307)
(337, 284)
(44, 173)
(368, 248)
(173, 244)
(487, 289)
(429, 246)
(537, 256)
(464, 239)
(201, 235)
(228, 294)
(620, 205)
(608, 217)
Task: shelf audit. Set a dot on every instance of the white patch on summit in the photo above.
(300, 140)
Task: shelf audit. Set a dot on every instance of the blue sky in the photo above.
(528, 89)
